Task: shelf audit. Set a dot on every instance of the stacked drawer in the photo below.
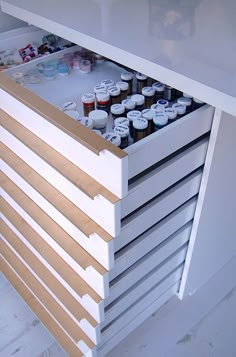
(94, 238)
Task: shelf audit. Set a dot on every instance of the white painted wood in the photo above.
(176, 52)
(99, 208)
(164, 250)
(147, 216)
(141, 304)
(213, 240)
(132, 295)
(159, 179)
(157, 146)
(142, 245)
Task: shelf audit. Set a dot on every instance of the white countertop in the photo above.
(189, 44)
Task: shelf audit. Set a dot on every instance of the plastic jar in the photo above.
(107, 82)
(171, 113)
(63, 69)
(160, 120)
(100, 119)
(103, 101)
(117, 110)
(70, 105)
(86, 121)
(163, 102)
(100, 88)
(140, 126)
(186, 101)
(129, 105)
(85, 66)
(141, 82)
(169, 93)
(139, 101)
(113, 138)
(128, 77)
(197, 103)
(159, 90)
(149, 95)
(88, 101)
(133, 115)
(114, 94)
(149, 114)
(124, 88)
(121, 121)
(49, 72)
(123, 131)
(181, 109)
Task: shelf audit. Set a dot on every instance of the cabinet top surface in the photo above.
(189, 44)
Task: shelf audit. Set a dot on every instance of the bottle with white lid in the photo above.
(171, 113)
(117, 110)
(100, 119)
(72, 113)
(114, 94)
(169, 93)
(149, 114)
(107, 82)
(149, 94)
(140, 126)
(141, 82)
(139, 101)
(88, 101)
(129, 105)
(160, 120)
(103, 101)
(112, 138)
(197, 103)
(128, 77)
(70, 105)
(121, 121)
(163, 102)
(123, 131)
(159, 90)
(86, 121)
(132, 115)
(99, 88)
(97, 132)
(187, 102)
(181, 109)
(124, 88)
(158, 107)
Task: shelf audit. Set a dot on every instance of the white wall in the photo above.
(9, 22)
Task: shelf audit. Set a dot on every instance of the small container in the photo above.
(124, 88)
(171, 113)
(49, 72)
(113, 138)
(139, 101)
(185, 101)
(160, 120)
(100, 119)
(99, 58)
(88, 101)
(86, 121)
(97, 132)
(158, 107)
(114, 94)
(129, 105)
(70, 105)
(128, 77)
(163, 102)
(18, 78)
(85, 66)
(33, 76)
(100, 88)
(197, 103)
(103, 101)
(107, 83)
(72, 113)
(169, 93)
(133, 115)
(75, 63)
(117, 110)
(141, 82)
(123, 131)
(149, 114)
(41, 66)
(63, 69)
(140, 126)
(159, 90)
(149, 94)
(181, 109)
(121, 121)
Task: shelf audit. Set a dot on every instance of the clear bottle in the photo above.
(124, 88)
(100, 119)
(123, 131)
(149, 96)
(113, 138)
(139, 101)
(117, 110)
(159, 90)
(129, 105)
(128, 77)
(140, 126)
(88, 101)
(141, 82)
(114, 94)
(149, 114)
(132, 115)
(103, 101)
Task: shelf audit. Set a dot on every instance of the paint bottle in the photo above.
(113, 138)
(88, 102)
(163, 102)
(114, 94)
(169, 93)
(124, 88)
(187, 102)
(160, 120)
(129, 105)
(149, 96)
(140, 126)
(103, 101)
(171, 113)
(107, 82)
(117, 110)
(139, 101)
(159, 90)
(181, 109)
(123, 131)
(86, 121)
(148, 114)
(141, 82)
(128, 78)
(100, 119)
(133, 115)
(121, 121)
(70, 105)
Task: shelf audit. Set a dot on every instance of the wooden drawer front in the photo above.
(137, 271)
(72, 330)
(142, 245)
(93, 199)
(159, 207)
(155, 147)
(47, 202)
(154, 277)
(163, 176)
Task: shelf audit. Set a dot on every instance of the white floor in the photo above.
(22, 335)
